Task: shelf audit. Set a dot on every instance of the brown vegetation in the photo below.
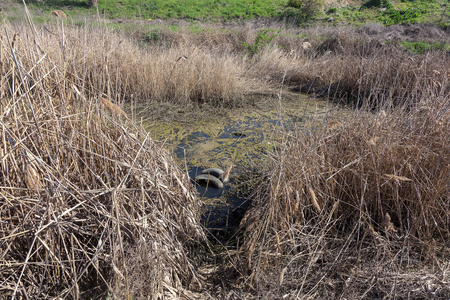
(343, 204)
(358, 68)
(116, 66)
(82, 191)
(59, 13)
(89, 202)
(340, 64)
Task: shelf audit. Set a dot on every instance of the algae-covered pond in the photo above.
(206, 137)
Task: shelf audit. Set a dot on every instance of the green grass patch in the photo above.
(415, 11)
(164, 9)
(423, 47)
(390, 12)
(353, 14)
(403, 16)
(191, 9)
(303, 12)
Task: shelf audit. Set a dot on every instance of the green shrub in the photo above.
(332, 10)
(378, 3)
(308, 8)
(386, 3)
(394, 16)
(263, 38)
(150, 37)
(295, 3)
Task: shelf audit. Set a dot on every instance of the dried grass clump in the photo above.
(355, 67)
(370, 197)
(219, 69)
(59, 13)
(82, 190)
(117, 66)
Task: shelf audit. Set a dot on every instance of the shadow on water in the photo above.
(222, 208)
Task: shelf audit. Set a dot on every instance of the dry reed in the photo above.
(370, 197)
(86, 200)
(82, 191)
(360, 69)
(340, 64)
(59, 13)
(117, 67)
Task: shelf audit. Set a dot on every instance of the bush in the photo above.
(408, 15)
(308, 8)
(378, 3)
(385, 3)
(332, 10)
(263, 38)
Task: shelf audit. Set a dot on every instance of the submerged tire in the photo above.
(213, 171)
(210, 180)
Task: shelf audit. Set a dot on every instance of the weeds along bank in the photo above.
(356, 210)
(351, 65)
(89, 203)
(339, 63)
(115, 65)
(220, 67)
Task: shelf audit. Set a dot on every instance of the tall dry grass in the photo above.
(356, 68)
(356, 65)
(89, 203)
(341, 64)
(366, 196)
(117, 66)
(346, 201)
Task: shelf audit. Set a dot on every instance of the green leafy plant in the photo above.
(295, 3)
(332, 10)
(424, 47)
(378, 3)
(386, 3)
(263, 38)
(150, 37)
(395, 16)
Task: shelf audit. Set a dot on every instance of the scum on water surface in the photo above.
(205, 137)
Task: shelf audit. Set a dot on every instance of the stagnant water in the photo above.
(242, 137)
